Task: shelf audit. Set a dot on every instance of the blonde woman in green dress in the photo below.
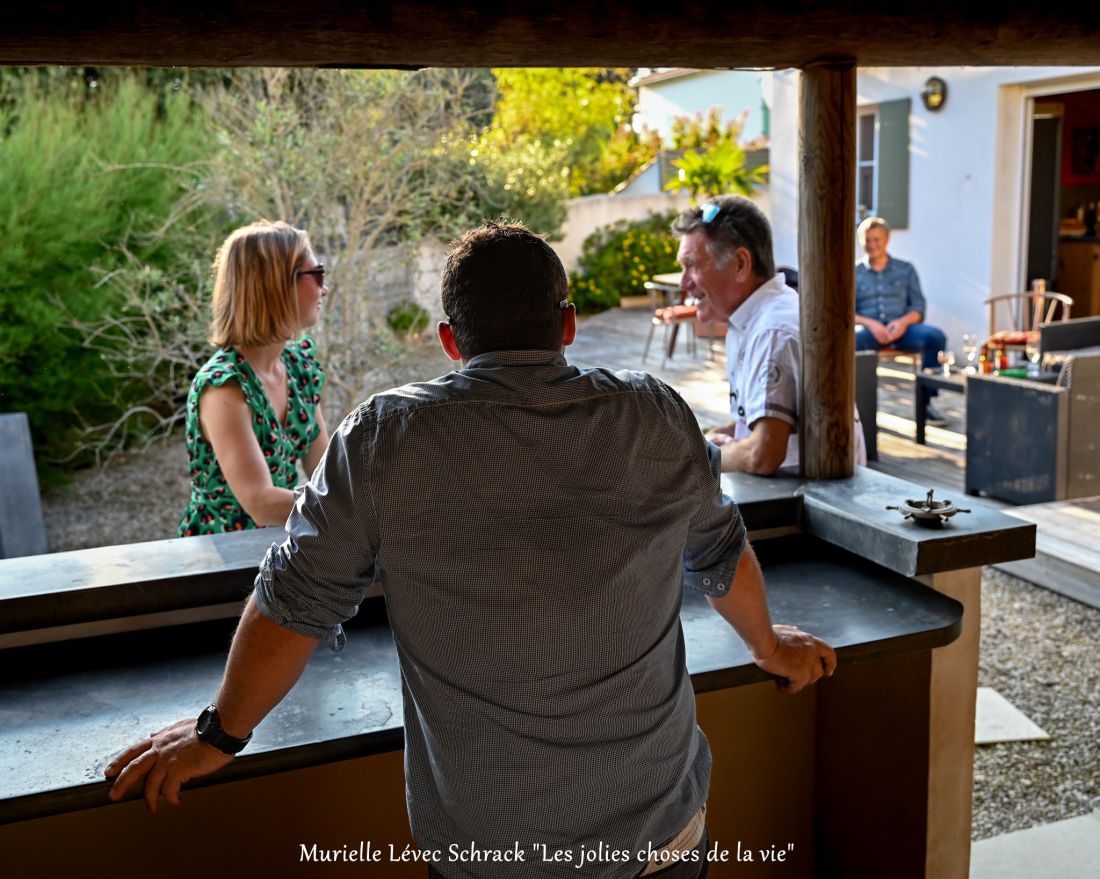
(254, 409)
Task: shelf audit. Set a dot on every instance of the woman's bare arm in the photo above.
(226, 421)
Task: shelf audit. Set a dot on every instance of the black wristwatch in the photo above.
(208, 728)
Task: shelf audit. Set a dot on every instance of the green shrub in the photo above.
(617, 260)
(407, 319)
(84, 172)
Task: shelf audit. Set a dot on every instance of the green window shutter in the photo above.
(893, 163)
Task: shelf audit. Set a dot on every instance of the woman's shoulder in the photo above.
(225, 365)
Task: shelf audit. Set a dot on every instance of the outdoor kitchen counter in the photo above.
(100, 694)
(900, 706)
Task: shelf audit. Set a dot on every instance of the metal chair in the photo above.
(710, 331)
(1022, 315)
(668, 316)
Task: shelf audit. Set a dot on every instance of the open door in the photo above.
(1044, 208)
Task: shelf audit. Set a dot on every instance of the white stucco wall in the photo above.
(783, 166)
(588, 213)
(733, 90)
(966, 171)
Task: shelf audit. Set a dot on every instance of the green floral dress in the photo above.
(213, 508)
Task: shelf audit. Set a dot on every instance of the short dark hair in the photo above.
(502, 290)
(738, 223)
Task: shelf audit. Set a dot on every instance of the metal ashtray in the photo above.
(928, 512)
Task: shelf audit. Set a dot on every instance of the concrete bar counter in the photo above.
(866, 774)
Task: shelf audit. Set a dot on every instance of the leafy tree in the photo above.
(109, 231)
(486, 178)
(88, 178)
(623, 155)
(703, 132)
(582, 110)
(718, 171)
(370, 163)
(713, 162)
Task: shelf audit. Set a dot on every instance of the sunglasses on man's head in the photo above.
(710, 211)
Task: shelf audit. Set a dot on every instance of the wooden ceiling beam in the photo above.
(634, 33)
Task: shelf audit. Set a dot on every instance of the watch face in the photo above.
(205, 723)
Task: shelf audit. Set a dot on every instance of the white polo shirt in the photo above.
(763, 360)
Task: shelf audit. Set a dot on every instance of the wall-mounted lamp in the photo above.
(934, 93)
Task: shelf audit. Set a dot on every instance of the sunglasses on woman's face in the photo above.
(318, 273)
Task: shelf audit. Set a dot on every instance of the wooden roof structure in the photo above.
(532, 33)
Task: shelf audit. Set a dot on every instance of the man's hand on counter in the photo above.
(265, 660)
(167, 759)
(798, 659)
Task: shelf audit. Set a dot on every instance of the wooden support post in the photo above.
(826, 263)
(953, 696)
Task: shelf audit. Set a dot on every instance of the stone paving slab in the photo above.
(998, 720)
(1063, 850)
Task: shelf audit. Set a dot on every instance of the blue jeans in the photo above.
(921, 339)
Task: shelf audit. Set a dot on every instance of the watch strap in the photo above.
(208, 728)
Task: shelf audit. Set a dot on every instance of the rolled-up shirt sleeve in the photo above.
(716, 535)
(315, 580)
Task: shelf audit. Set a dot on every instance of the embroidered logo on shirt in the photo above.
(772, 376)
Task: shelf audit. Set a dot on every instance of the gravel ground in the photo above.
(139, 496)
(1038, 648)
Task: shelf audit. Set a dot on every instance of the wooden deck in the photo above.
(1067, 555)
(1068, 542)
(941, 463)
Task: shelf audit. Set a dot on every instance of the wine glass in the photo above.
(970, 350)
(1031, 349)
(946, 360)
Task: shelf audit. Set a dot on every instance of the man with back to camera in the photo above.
(531, 523)
(726, 256)
(890, 306)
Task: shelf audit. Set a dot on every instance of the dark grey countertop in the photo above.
(65, 588)
(62, 594)
(65, 709)
(166, 576)
(851, 513)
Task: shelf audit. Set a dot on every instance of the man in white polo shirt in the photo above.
(726, 254)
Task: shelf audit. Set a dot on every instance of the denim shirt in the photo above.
(532, 524)
(889, 294)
